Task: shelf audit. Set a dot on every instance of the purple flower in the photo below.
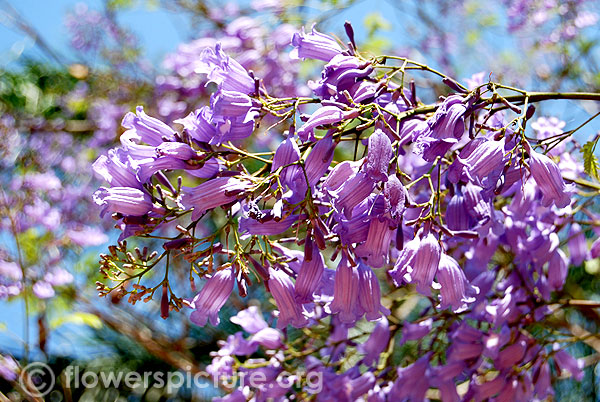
(457, 215)
(377, 342)
(230, 103)
(43, 290)
(577, 245)
(400, 274)
(454, 283)
(147, 129)
(319, 159)
(124, 200)
(58, 277)
(8, 367)
(414, 331)
(412, 382)
(345, 294)
(549, 180)
(369, 294)
(395, 198)
(213, 297)
(595, 249)
(484, 159)
(378, 156)
(87, 236)
(116, 169)
(310, 274)
(449, 118)
(198, 124)
(227, 73)
(314, 45)
(250, 320)
(511, 355)
(269, 338)
(10, 270)
(176, 150)
(566, 362)
(425, 263)
(286, 154)
(376, 248)
(353, 192)
(323, 116)
(282, 289)
(340, 74)
(211, 194)
(269, 227)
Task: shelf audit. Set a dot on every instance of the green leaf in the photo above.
(79, 318)
(590, 161)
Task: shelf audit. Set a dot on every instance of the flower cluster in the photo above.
(373, 198)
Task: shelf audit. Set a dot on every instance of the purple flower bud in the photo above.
(377, 342)
(213, 297)
(148, 129)
(345, 296)
(125, 200)
(211, 194)
(310, 275)
(476, 206)
(282, 289)
(378, 156)
(549, 180)
(369, 294)
(250, 320)
(314, 45)
(325, 115)
(376, 248)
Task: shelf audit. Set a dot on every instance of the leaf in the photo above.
(590, 161)
(78, 318)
